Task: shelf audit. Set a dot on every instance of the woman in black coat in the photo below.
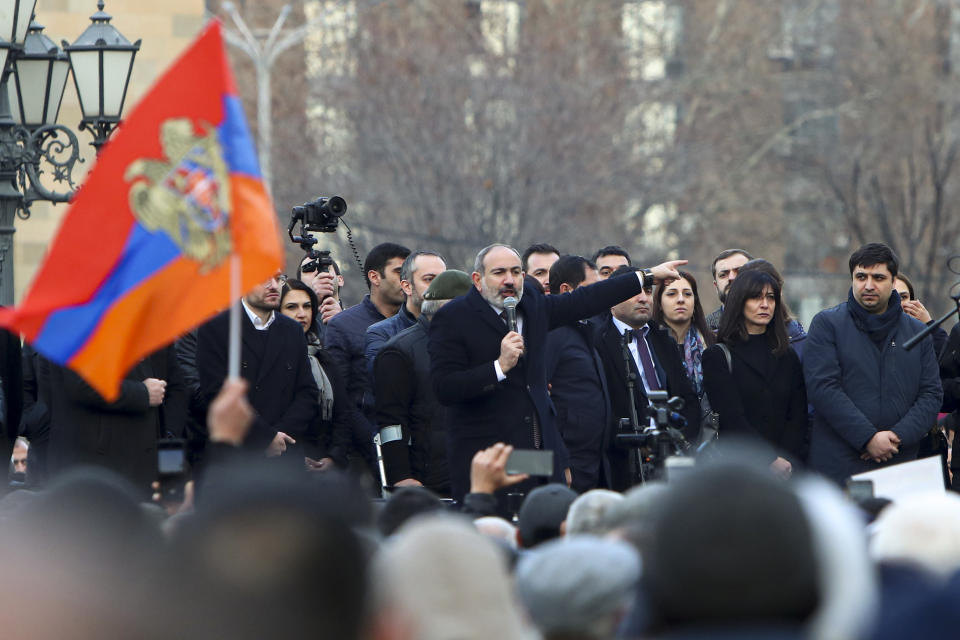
(299, 302)
(760, 392)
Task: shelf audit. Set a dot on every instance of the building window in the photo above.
(651, 30)
(329, 45)
(500, 26)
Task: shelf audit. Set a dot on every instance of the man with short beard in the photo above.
(494, 380)
(657, 363)
(274, 361)
(417, 272)
(725, 268)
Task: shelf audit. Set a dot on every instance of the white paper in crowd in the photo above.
(906, 479)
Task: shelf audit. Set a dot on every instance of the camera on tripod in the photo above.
(666, 421)
(654, 443)
(323, 215)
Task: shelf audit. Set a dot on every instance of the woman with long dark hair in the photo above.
(795, 331)
(676, 306)
(759, 390)
(299, 302)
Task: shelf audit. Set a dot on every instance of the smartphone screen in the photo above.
(534, 462)
(860, 489)
(171, 461)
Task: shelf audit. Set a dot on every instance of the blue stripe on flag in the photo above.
(67, 330)
(238, 150)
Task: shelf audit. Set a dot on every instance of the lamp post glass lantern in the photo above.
(14, 19)
(39, 77)
(32, 144)
(101, 59)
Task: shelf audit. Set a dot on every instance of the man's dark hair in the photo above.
(875, 253)
(726, 253)
(733, 328)
(380, 255)
(540, 247)
(624, 268)
(612, 250)
(404, 504)
(233, 594)
(406, 271)
(571, 270)
(767, 576)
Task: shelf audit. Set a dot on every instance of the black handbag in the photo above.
(709, 419)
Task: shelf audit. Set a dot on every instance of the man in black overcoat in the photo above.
(121, 435)
(634, 315)
(493, 380)
(273, 359)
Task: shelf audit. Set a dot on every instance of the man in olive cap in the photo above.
(409, 418)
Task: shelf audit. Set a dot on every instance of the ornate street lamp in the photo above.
(39, 77)
(102, 60)
(14, 20)
(34, 74)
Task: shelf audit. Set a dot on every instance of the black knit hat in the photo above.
(543, 511)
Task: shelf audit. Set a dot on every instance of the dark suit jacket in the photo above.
(464, 341)
(282, 390)
(669, 363)
(12, 389)
(578, 388)
(762, 398)
(120, 435)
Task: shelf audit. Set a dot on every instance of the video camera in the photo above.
(323, 215)
(661, 440)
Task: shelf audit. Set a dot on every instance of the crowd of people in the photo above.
(357, 480)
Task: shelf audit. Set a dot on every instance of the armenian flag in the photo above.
(143, 253)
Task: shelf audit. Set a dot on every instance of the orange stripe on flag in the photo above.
(177, 297)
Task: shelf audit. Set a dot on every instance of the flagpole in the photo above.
(233, 360)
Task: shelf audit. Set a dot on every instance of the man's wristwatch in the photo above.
(647, 278)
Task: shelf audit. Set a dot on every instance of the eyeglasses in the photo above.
(280, 280)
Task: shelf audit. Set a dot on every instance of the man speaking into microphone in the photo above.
(492, 378)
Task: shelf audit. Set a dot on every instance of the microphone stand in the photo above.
(912, 342)
(635, 457)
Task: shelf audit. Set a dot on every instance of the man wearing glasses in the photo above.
(273, 360)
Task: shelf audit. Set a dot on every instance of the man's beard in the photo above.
(494, 297)
(415, 297)
(263, 305)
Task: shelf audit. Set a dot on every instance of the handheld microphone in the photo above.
(510, 306)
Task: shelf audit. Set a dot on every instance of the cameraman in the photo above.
(326, 283)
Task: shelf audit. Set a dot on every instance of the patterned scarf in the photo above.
(693, 346)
